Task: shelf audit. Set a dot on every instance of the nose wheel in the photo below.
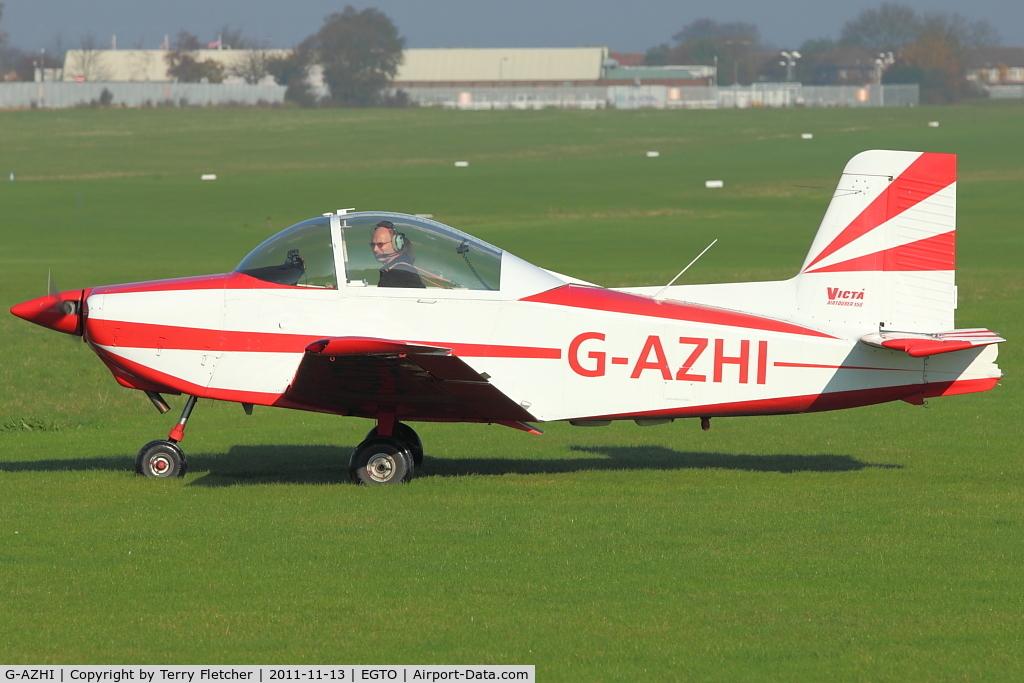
(161, 459)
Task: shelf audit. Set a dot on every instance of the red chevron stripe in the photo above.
(598, 299)
(933, 253)
(929, 174)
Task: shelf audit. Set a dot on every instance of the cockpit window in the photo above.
(397, 250)
(301, 256)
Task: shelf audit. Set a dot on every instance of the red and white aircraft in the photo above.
(400, 319)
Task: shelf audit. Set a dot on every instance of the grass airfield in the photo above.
(882, 543)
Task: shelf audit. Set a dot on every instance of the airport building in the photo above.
(150, 66)
(462, 78)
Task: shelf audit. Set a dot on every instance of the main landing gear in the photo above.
(163, 458)
(389, 459)
(389, 454)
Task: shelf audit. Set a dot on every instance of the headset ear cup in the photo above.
(398, 241)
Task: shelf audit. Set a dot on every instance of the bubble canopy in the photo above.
(440, 256)
(426, 254)
(300, 256)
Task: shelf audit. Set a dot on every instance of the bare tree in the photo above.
(233, 38)
(10, 57)
(57, 47)
(88, 61)
(254, 66)
(140, 64)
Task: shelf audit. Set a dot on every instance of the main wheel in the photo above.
(161, 459)
(381, 460)
(408, 437)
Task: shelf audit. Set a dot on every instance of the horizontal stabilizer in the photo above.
(921, 345)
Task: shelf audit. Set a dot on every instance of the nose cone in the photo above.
(61, 312)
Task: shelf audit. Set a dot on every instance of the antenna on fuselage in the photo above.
(662, 290)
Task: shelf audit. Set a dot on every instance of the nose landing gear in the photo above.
(163, 458)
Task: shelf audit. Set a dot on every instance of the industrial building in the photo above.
(150, 66)
(433, 68)
(462, 78)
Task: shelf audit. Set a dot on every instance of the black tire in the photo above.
(161, 460)
(380, 461)
(408, 437)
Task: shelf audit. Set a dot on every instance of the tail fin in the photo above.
(885, 254)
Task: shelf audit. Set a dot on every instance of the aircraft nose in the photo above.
(61, 312)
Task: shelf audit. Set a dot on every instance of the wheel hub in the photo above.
(159, 464)
(380, 468)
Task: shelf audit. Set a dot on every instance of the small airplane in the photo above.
(400, 319)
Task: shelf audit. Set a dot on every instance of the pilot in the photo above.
(393, 251)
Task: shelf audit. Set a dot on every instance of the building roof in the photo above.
(628, 58)
(501, 65)
(991, 57)
(658, 73)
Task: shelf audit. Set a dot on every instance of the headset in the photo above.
(397, 238)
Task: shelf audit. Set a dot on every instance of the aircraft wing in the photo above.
(921, 345)
(364, 377)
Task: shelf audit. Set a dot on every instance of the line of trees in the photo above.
(926, 48)
(357, 52)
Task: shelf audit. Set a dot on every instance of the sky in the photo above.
(622, 25)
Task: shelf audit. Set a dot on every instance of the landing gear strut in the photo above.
(164, 458)
(408, 437)
(386, 459)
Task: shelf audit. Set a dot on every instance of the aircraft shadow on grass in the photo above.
(295, 464)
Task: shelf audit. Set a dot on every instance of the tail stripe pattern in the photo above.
(927, 175)
(933, 253)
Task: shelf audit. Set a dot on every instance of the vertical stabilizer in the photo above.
(886, 250)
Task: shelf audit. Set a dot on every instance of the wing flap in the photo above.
(363, 377)
(921, 345)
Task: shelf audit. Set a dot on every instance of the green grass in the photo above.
(882, 543)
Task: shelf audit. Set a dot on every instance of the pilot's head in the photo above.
(387, 243)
